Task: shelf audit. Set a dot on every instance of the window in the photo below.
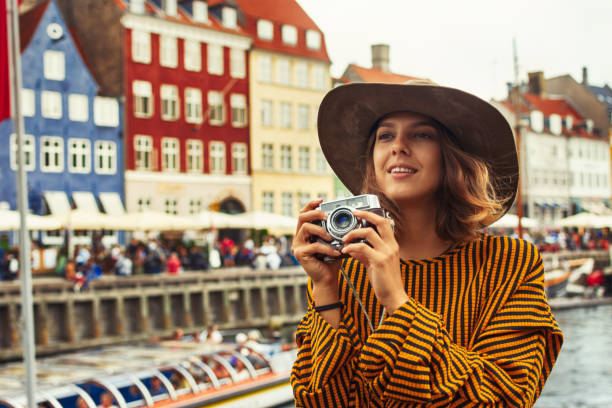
(229, 17)
(303, 117)
(322, 196)
(28, 102)
(193, 105)
(78, 107)
(143, 204)
(200, 11)
(54, 65)
(268, 201)
(193, 55)
(51, 104)
(216, 108)
(287, 204)
(284, 71)
(79, 155)
(169, 102)
(51, 154)
(285, 114)
(215, 59)
(171, 206)
(239, 158)
(105, 157)
(194, 156)
(237, 63)
(301, 74)
(29, 149)
(267, 156)
(143, 147)
(289, 34)
(106, 111)
(217, 157)
(168, 51)
(143, 99)
(303, 199)
(266, 113)
(319, 77)
(265, 29)
(321, 162)
(141, 47)
(195, 206)
(265, 68)
(304, 158)
(286, 157)
(313, 39)
(170, 154)
(239, 112)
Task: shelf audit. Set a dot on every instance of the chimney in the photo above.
(536, 83)
(137, 6)
(380, 57)
(169, 7)
(585, 76)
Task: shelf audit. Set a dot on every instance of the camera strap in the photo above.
(358, 298)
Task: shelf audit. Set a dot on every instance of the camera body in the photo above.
(340, 219)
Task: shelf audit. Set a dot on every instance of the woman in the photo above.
(433, 313)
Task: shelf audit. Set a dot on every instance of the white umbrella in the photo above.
(9, 221)
(88, 220)
(151, 221)
(264, 220)
(585, 219)
(511, 221)
(214, 219)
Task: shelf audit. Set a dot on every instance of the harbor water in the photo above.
(582, 377)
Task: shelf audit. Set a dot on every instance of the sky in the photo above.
(467, 44)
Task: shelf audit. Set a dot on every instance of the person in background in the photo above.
(173, 264)
(123, 265)
(107, 401)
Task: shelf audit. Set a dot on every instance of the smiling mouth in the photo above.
(402, 170)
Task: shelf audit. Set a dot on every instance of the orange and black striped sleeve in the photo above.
(480, 334)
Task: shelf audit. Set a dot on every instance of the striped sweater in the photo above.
(477, 331)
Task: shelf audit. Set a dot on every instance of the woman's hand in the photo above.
(380, 258)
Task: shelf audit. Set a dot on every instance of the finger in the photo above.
(360, 251)
(382, 224)
(310, 217)
(309, 252)
(311, 205)
(309, 230)
(368, 233)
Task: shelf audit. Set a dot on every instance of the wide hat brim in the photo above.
(348, 114)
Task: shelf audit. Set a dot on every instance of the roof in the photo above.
(378, 75)
(28, 23)
(603, 94)
(550, 106)
(278, 11)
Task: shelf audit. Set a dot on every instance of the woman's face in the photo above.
(407, 157)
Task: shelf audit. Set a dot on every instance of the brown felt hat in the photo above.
(348, 114)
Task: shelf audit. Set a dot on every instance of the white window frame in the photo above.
(287, 203)
(192, 58)
(106, 111)
(193, 105)
(216, 108)
(78, 107)
(143, 204)
(283, 71)
(217, 157)
(239, 110)
(313, 40)
(143, 99)
(195, 206)
(267, 112)
(237, 63)
(105, 157)
(28, 102)
(141, 46)
(55, 152)
(267, 201)
(143, 152)
(265, 68)
(301, 74)
(267, 156)
(289, 34)
(79, 155)
(54, 65)
(29, 148)
(303, 117)
(171, 206)
(304, 159)
(303, 198)
(170, 104)
(171, 154)
(239, 158)
(319, 77)
(229, 17)
(214, 60)
(286, 115)
(194, 156)
(200, 11)
(286, 158)
(51, 104)
(168, 51)
(265, 29)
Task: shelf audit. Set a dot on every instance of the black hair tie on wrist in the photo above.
(328, 307)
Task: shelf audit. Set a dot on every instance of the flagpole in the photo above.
(27, 309)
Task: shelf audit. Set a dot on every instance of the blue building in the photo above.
(73, 142)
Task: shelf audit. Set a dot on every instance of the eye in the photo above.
(384, 135)
(424, 134)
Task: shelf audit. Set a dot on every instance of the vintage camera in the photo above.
(340, 220)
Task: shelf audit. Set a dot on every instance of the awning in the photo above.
(58, 203)
(85, 202)
(111, 203)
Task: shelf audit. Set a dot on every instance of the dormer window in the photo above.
(170, 7)
(536, 120)
(569, 122)
(265, 30)
(555, 124)
(589, 125)
(200, 11)
(229, 17)
(289, 34)
(313, 39)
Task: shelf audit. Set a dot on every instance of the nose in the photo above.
(400, 146)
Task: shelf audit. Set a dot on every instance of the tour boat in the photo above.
(568, 279)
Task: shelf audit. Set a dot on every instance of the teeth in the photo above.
(402, 170)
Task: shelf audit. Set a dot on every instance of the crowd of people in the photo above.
(569, 239)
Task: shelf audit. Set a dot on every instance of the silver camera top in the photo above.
(340, 218)
(364, 201)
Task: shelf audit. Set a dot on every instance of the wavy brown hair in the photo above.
(466, 197)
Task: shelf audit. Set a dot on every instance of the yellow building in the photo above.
(288, 77)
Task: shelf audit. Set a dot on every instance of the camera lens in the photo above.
(342, 220)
